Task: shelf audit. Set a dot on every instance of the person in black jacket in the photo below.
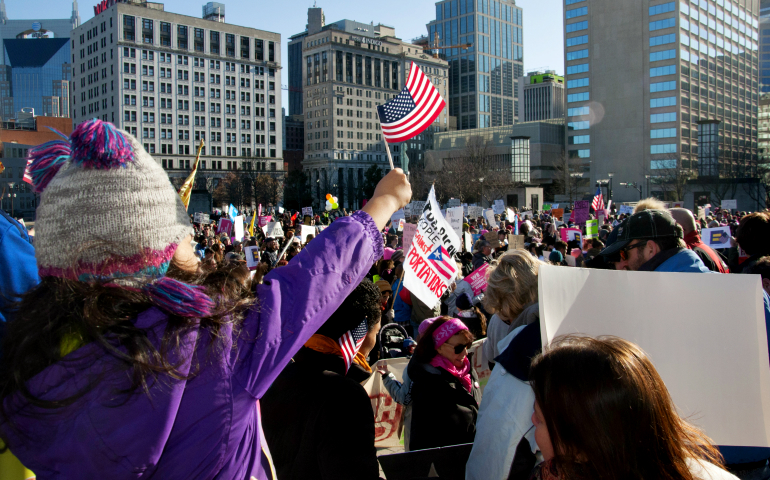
(445, 390)
(317, 418)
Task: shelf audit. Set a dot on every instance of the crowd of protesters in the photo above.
(137, 343)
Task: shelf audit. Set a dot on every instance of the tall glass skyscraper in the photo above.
(764, 46)
(482, 78)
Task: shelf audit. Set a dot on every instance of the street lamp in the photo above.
(481, 180)
(11, 194)
(633, 185)
(609, 191)
(647, 177)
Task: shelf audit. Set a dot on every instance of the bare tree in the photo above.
(672, 181)
(568, 176)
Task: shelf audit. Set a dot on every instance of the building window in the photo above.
(582, 68)
(578, 97)
(664, 148)
(579, 139)
(577, 12)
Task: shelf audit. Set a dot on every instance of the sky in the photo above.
(543, 33)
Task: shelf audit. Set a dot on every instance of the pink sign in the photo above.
(264, 220)
(478, 279)
(569, 234)
(580, 212)
(225, 226)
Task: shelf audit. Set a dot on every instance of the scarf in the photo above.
(463, 374)
(324, 344)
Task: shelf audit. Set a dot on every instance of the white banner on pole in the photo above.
(430, 266)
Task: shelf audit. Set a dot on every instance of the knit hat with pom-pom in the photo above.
(108, 211)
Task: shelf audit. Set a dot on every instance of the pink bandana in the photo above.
(447, 330)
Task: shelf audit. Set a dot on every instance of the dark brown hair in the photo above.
(426, 347)
(609, 414)
(753, 232)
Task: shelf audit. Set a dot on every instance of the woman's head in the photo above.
(445, 336)
(601, 403)
(512, 284)
(753, 232)
(363, 303)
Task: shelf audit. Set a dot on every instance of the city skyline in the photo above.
(543, 30)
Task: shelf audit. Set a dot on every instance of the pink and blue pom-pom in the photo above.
(98, 144)
(45, 161)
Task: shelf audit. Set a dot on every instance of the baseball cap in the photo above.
(647, 225)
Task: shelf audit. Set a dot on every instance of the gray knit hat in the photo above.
(107, 209)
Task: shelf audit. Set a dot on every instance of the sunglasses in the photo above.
(624, 251)
(459, 348)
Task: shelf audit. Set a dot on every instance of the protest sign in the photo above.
(307, 211)
(306, 230)
(467, 242)
(418, 207)
(678, 205)
(454, 216)
(509, 215)
(387, 412)
(592, 228)
(409, 231)
(320, 228)
(718, 237)
(515, 242)
(489, 215)
(225, 226)
(730, 204)
(475, 211)
(398, 215)
(307, 220)
(475, 237)
(554, 205)
(569, 234)
(238, 227)
(408, 210)
(252, 257)
(480, 363)
(274, 229)
(626, 209)
(491, 237)
(453, 202)
(430, 266)
(478, 279)
(401, 223)
(525, 215)
(547, 207)
(264, 220)
(683, 339)
(498, 207)
(280, 210)
(557, 212)
(201, 217)
(580, 212)
(707, 209)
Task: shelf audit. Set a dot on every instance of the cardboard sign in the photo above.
(238, 226)
(557, 212)
(409, 230)
(547, 207)
(307, 211)
(626, 209)
(683, 339)
(429, 267)
(498, 207)
(454, 216)
(678, 205)
(274, 230)
(580, 212)
(478, 279)
(252, 257)
(408, 210)
(225, 226)
(516, 242)
(305, 231)
(491, 237)
(592, 228)
(417, 208)
(202, 218)
(525, 215)
(730, 204)
(718, 237)
(489, 216)
(569, 234)
(467, 242)
(263, 221)
(475, 211)
(401, 223)
(509, 215)
(388, 414)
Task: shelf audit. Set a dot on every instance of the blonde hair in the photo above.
(650, 203)
(512, 284)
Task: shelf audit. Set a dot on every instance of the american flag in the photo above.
(413, 110)
(351, 342)
(598, 203)
(443, 262)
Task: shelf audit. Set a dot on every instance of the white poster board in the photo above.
(274, 230)
(202, 218)
(398, 215)
(238, 227)
(718, 237)
(498, 207)
(475, 211)
(454, 216)
(305, 231)
(252, 257)
(711, 354)
(730, 204)
(307, 211)
(489, 216)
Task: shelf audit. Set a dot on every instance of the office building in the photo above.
(174, 80)
(541, 96)
(764, 46)
(483, 76)
(36, 27)
(348, 68)
(642, 83)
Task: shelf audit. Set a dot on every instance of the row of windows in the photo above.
(574, 112)
(570, 2)
(582, 68)
(662, 86)
(663, 39)
(578, 125)
(586, 153)
(663, 133)
(577, 12)
(663, 102)
(577, 54)
(661, 71)
(571, 42)
(665, 148)
(575, 27)
(577, 83)
(578, 97)
(579, 139)
(662, 55)
(663, 117)
(662, 8)
(661, 24)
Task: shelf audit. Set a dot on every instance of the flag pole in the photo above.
(390, 158)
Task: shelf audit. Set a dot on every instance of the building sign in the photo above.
(368, 40)
(36, 26)
(104, 5)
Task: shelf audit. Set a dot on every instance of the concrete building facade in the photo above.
(641, 82)
(483, 76)
(541, 96)
(348, 69)
(174, 80)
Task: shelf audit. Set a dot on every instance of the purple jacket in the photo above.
(205, 427)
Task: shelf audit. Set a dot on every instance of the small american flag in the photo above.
(443, 262)
(598, 203)
(27, 174)
(413, 110)
(351, 342)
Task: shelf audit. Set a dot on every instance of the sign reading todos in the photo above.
(430, 266)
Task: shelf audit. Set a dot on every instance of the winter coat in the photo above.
(497, 329)
(443, 411)
(18, 267)
(314, 408)
(710, 258)
(208, 425)
(480, 259)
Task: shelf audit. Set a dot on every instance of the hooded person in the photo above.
(306, 436)
(123, 362)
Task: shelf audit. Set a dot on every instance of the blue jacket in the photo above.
(402, 311)
(18, 267)
(688, 261)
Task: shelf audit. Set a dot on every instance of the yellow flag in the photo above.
(251, 228)
(2, 167)
(187, 186)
